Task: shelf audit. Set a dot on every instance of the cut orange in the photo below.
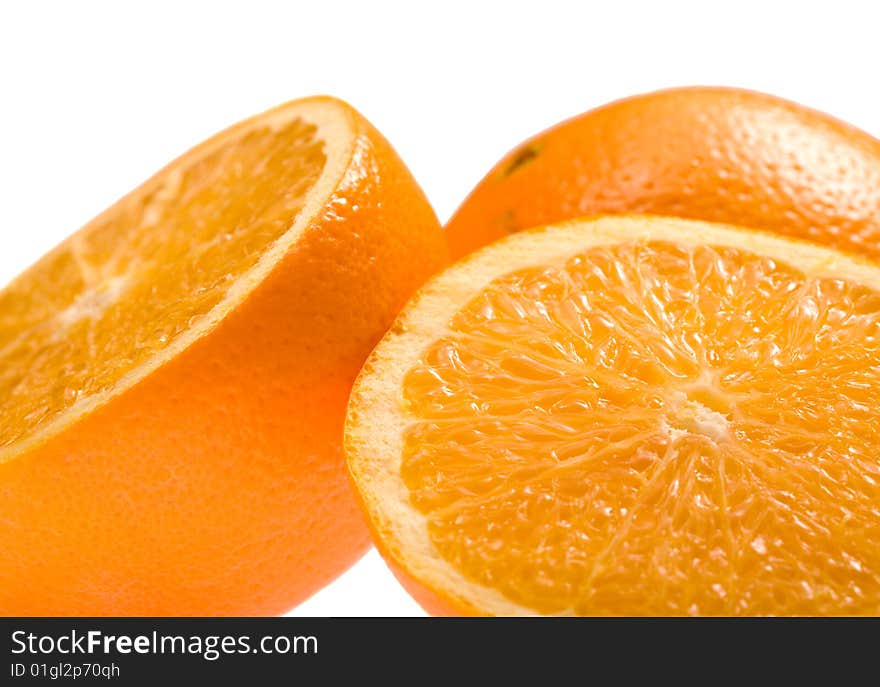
(630, 415)
(174, 375)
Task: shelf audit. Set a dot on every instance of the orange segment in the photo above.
(649, 417)
(174, 376)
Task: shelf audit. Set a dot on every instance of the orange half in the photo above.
(630, 416)
(173, 376)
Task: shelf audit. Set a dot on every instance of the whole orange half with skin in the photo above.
(713, 154)
(630, 416)
(174, 375)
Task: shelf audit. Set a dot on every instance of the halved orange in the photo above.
(630, 416)
(173, 377)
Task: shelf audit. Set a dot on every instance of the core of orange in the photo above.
(713, 154)
(173, 376)
(630, 416)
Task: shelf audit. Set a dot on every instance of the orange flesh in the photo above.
(111, 297)
(651, 428)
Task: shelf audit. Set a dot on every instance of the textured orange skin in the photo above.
(714, 154)
(433, 603)
(215, 486)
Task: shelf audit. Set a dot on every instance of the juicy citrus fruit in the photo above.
(713, 154)
(630, 415)
(174, 375)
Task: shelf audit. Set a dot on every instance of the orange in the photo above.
(174, 375)
(713, 154)
(630, 415)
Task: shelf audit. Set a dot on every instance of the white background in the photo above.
(94, 97)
